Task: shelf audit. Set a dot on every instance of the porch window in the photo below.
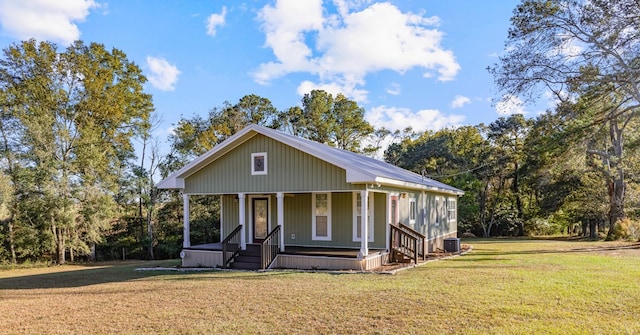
(357, 221)
(413, 211)
(321, 220)
(451, 210)
(259, 163)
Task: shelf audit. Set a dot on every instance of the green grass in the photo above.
(502, 286)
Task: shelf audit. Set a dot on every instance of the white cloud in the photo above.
(44, 19)
(342, 48)
(460, 101)
(394, 89)
(571, 47)
(163, 74)
(510, 104)
(396, 118)
(334, 88)
(216, 20)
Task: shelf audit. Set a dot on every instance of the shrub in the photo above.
(628, 229)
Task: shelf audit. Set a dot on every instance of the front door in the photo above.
(260, 219)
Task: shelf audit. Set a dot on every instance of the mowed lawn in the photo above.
(501, 287)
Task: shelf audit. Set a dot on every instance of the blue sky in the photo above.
(408, 63)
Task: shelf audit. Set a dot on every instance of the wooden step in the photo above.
(400, 257)
(249, 259)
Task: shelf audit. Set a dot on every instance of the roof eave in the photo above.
(415, 186)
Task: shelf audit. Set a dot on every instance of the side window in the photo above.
(413, 210)
(451, 210)
(438, 211)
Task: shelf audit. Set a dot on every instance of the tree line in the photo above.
(72, 187)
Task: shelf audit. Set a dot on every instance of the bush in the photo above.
(627, 229)
(541, 227)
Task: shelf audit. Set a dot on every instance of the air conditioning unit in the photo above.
(451, 245)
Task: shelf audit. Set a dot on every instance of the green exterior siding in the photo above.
(297, 174)
(230, 211)
(380, 220)
(288, 170)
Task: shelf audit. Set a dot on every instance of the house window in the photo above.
(451, 210)
(321, 220)
(357, 217)
(259, 163)
(413, 211)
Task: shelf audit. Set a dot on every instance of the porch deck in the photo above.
(298, 251)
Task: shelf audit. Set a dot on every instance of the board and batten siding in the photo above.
(298, 209)
(288, 170)
(230, 217)
(297, 220)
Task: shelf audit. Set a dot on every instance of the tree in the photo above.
(457, 157)
(194, 136)
(338, 121)
(579, 49)
(77, 111)
(507, 136)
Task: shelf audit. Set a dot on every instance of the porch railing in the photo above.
(270, 247)
(404, 242)
(231, 247)
(422, 251)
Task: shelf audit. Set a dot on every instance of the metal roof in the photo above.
(359, 169)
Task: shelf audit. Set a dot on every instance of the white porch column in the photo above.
(364, 229)
(389, 222)
(280, 198)
(242, 221)
(186, 242)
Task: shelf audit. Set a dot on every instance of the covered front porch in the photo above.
(324, 230)
(293, 257)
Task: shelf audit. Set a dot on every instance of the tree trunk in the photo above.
(60, 245)
(616, 203)
(616, 186)
(593, 231)
(150, 233)
(12, 243)
(483, 207)
(516, 192)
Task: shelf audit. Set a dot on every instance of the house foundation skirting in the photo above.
(284, 261)
(213, 259)
(201, 258)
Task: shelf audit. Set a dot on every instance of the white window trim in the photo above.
(314, 237)
(454, 217)
(411, 212)
(369, 222)
(441, 210)
(253, 156)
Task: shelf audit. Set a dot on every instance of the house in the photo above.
(288, 202)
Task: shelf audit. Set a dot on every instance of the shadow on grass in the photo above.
(77, 276)
(113, 273)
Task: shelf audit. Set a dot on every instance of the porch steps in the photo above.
(248, 259)
(400, 257)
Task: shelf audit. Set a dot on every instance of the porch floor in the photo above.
(302, 251)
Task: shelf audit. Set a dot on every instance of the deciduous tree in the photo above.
(579, 49)
(77, 110)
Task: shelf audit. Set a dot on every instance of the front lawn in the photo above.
(502, 286)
